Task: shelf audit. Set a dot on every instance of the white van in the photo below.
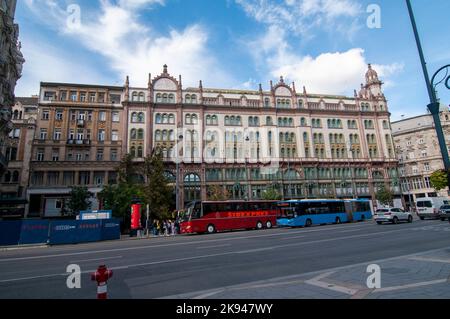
(428, 207)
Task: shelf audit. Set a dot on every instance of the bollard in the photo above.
(101, 276)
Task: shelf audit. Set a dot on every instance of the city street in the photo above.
(319, 262)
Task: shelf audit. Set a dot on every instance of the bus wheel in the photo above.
(308, 223)
(259, 225)
(338, 220)
(269, 224)
(211, 229)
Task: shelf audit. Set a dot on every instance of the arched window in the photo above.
(187, 98)
(194, 99)
(7, 177)
(165, 119)
(141, 97)
(134, 117)
(158, 136)
(305, 137)
(188, 119)
(133, 151)
(291, 121)
(172, 135)
(140, 134)
(165, 98)
(171, 119)
(158, 98)
(303, 122)
(165, 135)
(194, 119)
(16, 115)
(266, 102)
(140, 151)
(171, 98)
(141, 118)
(227, 120)
(134, 97)
(133, 134)
(215, 120)
(158, 119)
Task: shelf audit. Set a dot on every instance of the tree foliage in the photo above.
(385, 196)
(217, 193)
(271, 194)
(439, 180)
(79, 200)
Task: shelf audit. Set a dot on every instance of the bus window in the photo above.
(197, 211)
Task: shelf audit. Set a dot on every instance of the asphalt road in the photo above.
(162, 267)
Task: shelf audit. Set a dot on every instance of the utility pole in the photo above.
(431, 87)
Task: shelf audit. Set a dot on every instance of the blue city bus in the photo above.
(305, 213)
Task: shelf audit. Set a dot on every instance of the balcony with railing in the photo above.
(79, 142)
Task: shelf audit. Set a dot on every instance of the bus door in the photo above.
(350, 209)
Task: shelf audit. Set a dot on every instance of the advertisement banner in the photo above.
(34, 232)
(136, 216)
(111, 229)
(63, 232)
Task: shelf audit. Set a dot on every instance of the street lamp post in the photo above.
(247, 139)
(431, 87)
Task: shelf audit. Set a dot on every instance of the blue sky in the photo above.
(324, 45)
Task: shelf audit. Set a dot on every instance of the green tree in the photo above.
(271, 194)
(157, 191)
(439, 180)
(385, 196)
(217, 193)
(79, 200)
(118, 198)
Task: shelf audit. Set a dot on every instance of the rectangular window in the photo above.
(16, 133)
(68, 178)
(101, 98)
(71, 134)
(49, 96)
(59, 115)
(92, 97)
(84, 178)
(102, 116)
(426, 166)
(101, 135)
(79, 157)
(40, 155)
(73, 115)
(83, 96)
(57, 134)
(63, 95)
(115, 136)
(45, 115)
(55, 155)
(115, 116)
(70, 156)
(82, 115)
(80, 134)
(113, 155)
(43, 134)
(89, 117)
(114, 98)
(100, 155)
(73, 96)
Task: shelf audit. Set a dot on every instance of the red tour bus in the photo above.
(210, 217)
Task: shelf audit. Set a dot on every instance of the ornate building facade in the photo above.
(419, 155)
(11, 61)
(303, 145)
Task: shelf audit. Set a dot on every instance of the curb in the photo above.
(22, 247)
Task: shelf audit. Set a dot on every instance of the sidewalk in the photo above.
(425, 276)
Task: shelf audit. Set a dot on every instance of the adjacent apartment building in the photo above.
(419, 155)
(11, 61)
(305, 145)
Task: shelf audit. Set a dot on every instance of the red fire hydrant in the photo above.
(101, 276)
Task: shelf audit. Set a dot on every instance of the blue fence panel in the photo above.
(89, 231)
(10, 232)
(34, 232)
(63, 232)
(110, 229)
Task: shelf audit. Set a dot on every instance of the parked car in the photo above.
(392, 215)
(444, 212)
(428, 207)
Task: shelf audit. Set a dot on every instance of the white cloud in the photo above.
(134, 49)
(300, 16)
(330, 72)
(47, 63)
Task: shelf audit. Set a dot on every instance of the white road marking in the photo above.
(95, 259)
(166, 245)
(435, 260)
(226, 253)
(292, 237)
(316, 281)
(216, 246)
(418, 284)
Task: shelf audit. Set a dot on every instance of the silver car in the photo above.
(444, 212)
(392, 215)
